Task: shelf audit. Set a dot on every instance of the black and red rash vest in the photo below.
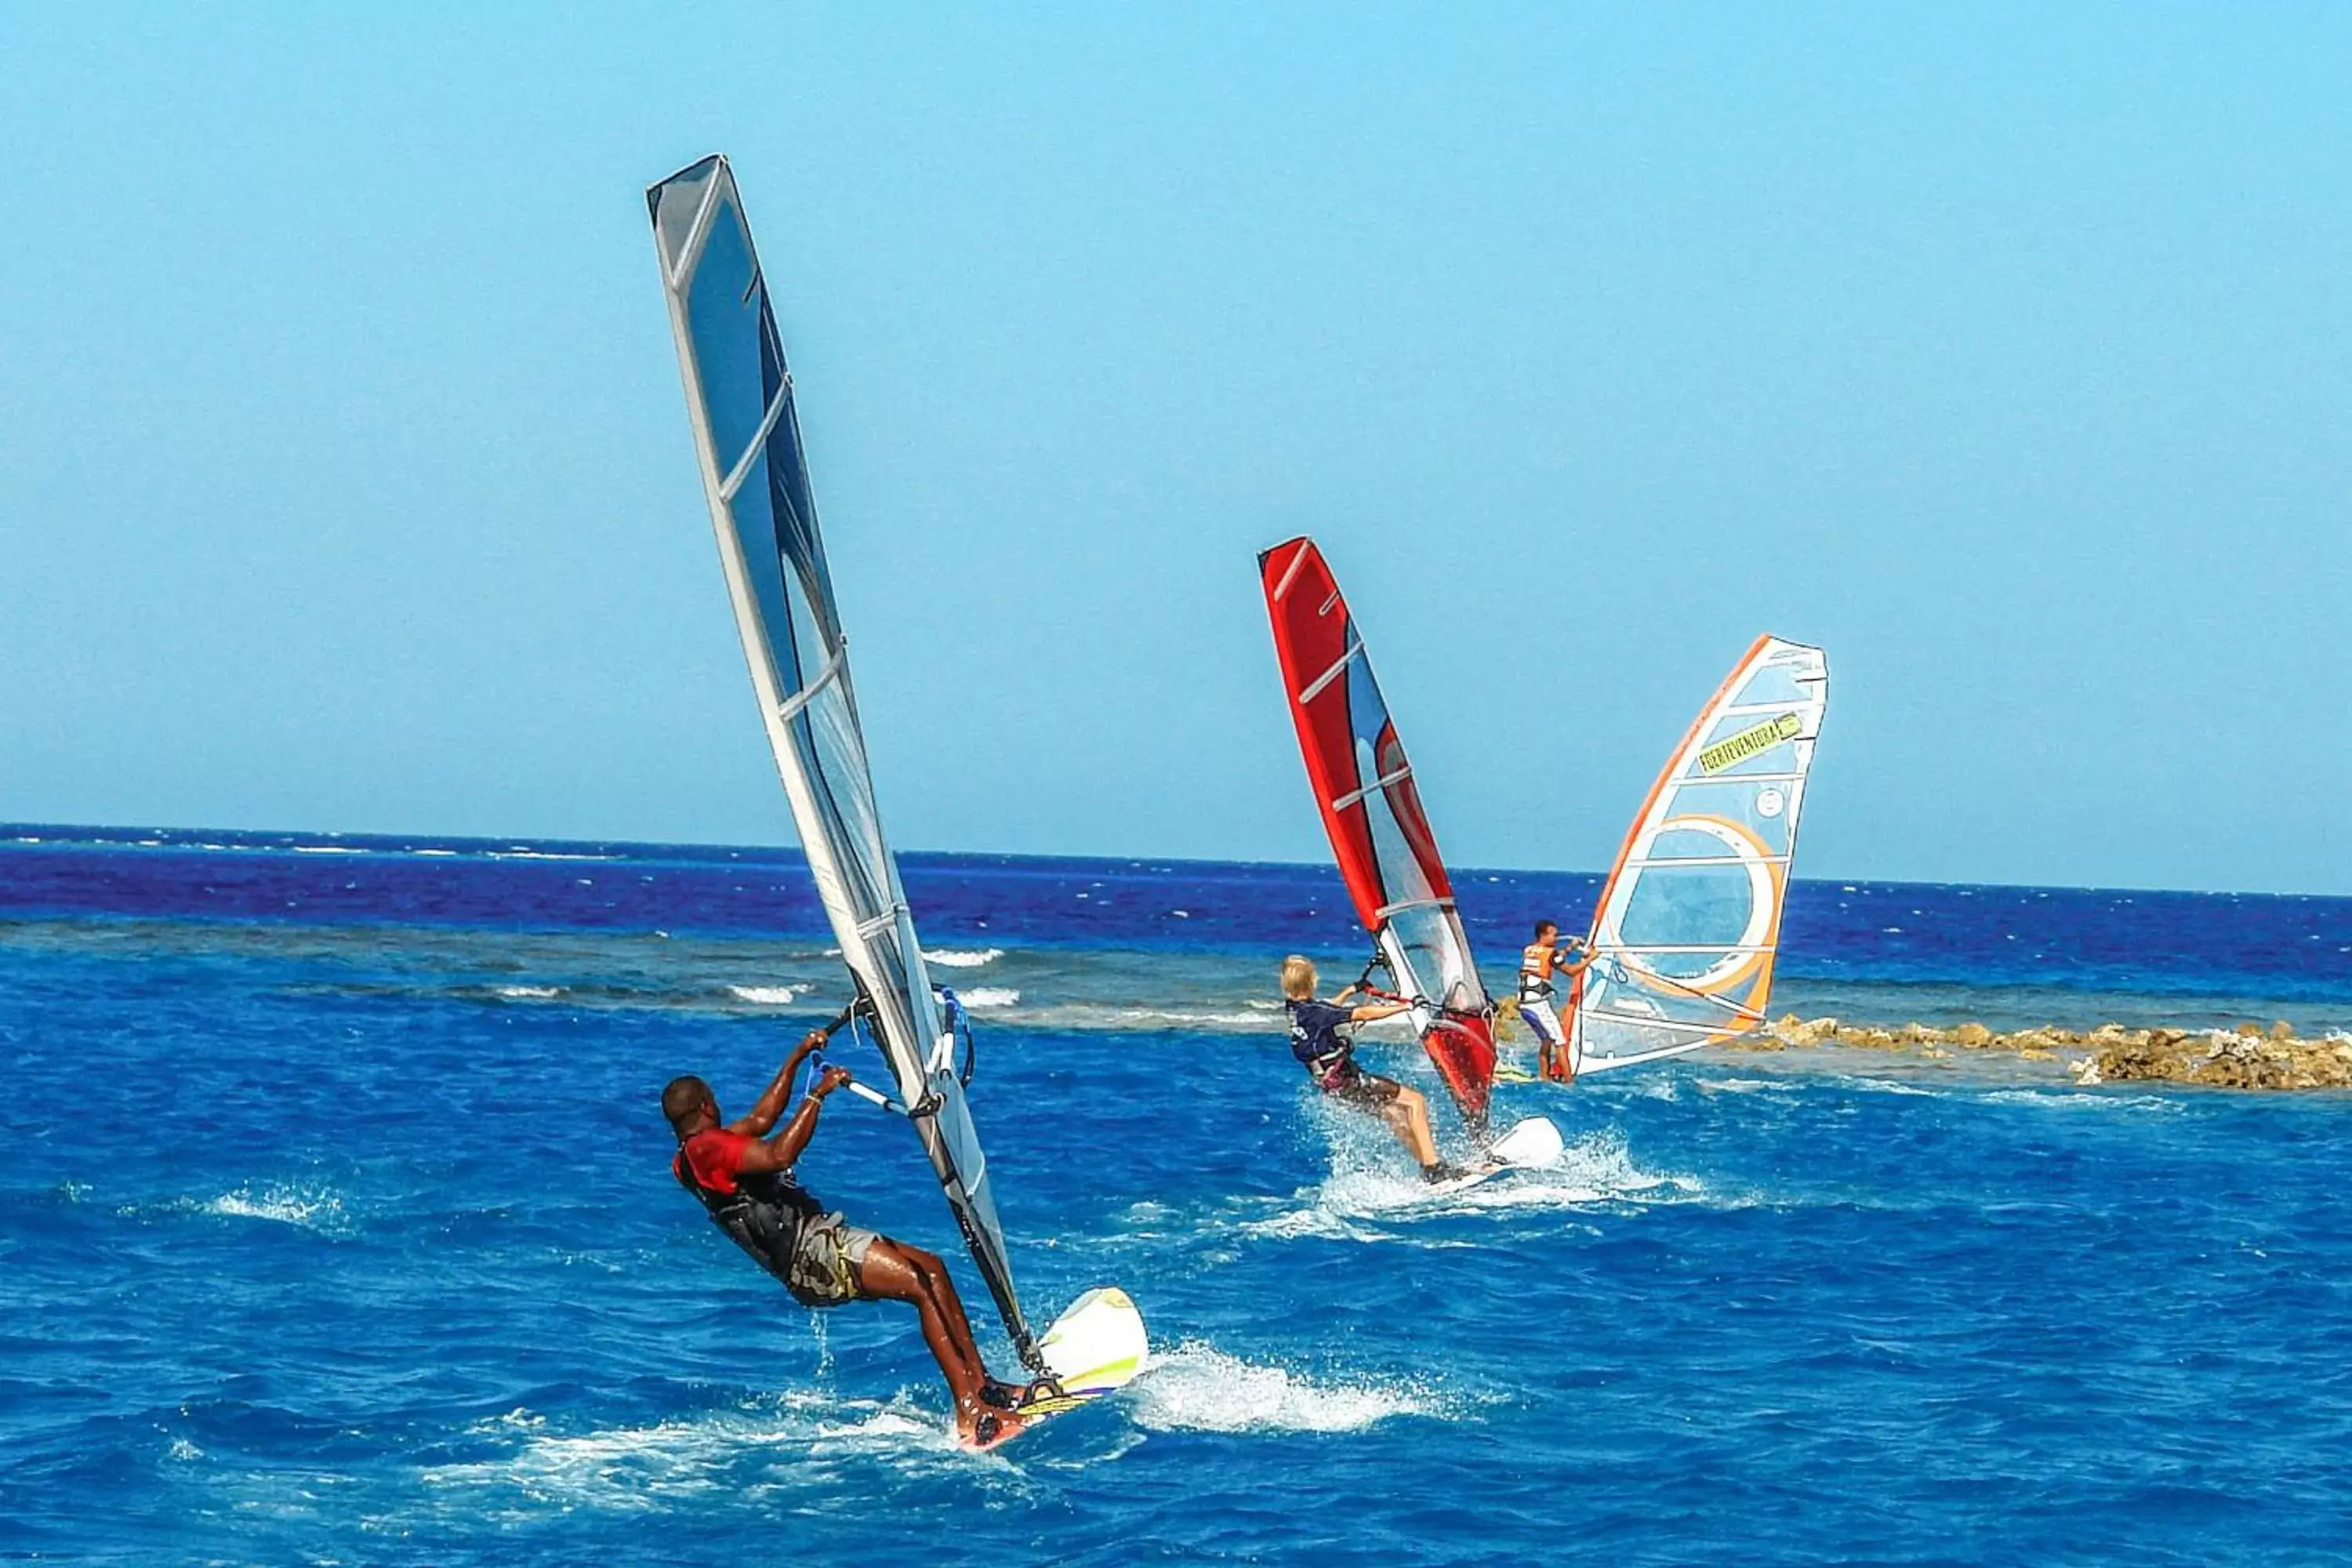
(763, 1210)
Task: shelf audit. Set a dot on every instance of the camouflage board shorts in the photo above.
(825, 1261)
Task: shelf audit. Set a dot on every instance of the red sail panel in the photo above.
(1380, 835)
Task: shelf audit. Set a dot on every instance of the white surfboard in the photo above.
(1529, 1143)
(1533, 1141)
(1096, 1347)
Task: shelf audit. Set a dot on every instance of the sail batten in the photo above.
(1688, 926)
(746, 441)
(1370, 806)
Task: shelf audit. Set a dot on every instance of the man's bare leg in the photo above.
(896, 1272)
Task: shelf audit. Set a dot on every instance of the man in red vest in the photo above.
(744, 1178)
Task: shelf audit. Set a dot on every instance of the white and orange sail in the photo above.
(1688, 924)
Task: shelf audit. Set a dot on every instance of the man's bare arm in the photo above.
(1370, 1011)
(755, 1122)
(783, 1150)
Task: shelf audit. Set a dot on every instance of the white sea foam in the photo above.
(2073, 1099)
(310, 1207)
(989, 996)
(1745, 1085)
(639, 1470)
(961, 957)
(520, 853)
(1198, 1388)
(1872, 1085)
(531, 992)
(1367, 1184)
(768, 995)
(327, 850)
(1085, 1017)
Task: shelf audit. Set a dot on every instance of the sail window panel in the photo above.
(1673, 843)
(676, 201)
(1433, 948)
(724, 325)
(794, 503)
(1373, 740)
(1628, 1017)
(755, 539)
(899, 955)
(1774, 682)
(1402, 877)
(1766, 810)
(974, 1195)
(1403, 847)
(834, 758)
(804, 587)
(1686, 906)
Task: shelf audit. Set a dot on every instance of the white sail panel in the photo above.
(755, 476)
(1689, 923)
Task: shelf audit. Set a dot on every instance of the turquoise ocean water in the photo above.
(335, 1227)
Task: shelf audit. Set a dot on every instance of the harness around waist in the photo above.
(765, 1222)
(1326, 1069)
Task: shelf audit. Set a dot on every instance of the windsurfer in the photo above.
(1542, 963)
(745, 1178)
(1329, 1056)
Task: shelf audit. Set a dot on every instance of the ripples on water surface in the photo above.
(334, 1225)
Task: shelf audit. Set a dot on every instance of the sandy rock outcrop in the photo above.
(2246, 1057)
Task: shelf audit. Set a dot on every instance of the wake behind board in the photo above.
(1095, 1348)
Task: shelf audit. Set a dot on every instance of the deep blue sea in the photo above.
(335, 1227)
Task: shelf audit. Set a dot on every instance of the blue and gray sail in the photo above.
(738, 394)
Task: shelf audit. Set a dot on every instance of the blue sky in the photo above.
(345, 481)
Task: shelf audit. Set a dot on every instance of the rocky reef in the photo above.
(2248, 1056)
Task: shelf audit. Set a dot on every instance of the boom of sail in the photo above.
(1689, 922)
(1363, 788)
(739, 395)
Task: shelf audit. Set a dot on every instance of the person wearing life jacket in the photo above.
(1328, 1057)
(743, 1177)
(1543, 963)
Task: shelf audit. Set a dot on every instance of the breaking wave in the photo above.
(768, 995)
(962, 958)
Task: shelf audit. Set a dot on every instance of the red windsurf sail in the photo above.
(1363, 786)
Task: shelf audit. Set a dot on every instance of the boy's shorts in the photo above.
(1364, 1091)
(1544, 1022)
